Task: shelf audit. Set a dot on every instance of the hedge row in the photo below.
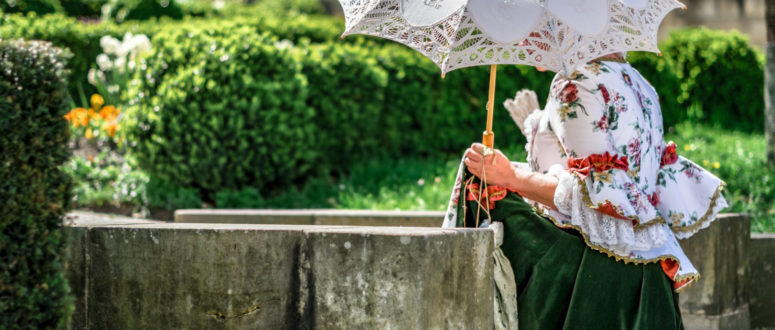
(708, 76)
(83, 40)
(226, 107)
(34, 191)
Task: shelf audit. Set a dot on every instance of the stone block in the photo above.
(719, 299)
(152, 275)
(761, 282)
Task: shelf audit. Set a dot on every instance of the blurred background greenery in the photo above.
(187, 104)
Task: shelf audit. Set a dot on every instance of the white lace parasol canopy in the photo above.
(558, 35)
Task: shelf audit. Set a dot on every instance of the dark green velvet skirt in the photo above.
(563, 284)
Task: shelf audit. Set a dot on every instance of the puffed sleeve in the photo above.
(595, 192)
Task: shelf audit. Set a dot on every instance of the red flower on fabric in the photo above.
(602, 124)
(608, 209)
(669, 155)
(627, 79)
(598, 162)
(569, 93)
(654, 199)
(491, 194)
(604, 91)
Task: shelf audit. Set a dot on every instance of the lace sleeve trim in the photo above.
(620, 236)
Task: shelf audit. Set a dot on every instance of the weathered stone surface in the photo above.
(719, 299)
(761, 281)
(313, 217)
(228, 276)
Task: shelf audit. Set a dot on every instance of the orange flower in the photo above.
(89, 133)
(97, 101)
(109, 113)
(110, 127)
(77, 117)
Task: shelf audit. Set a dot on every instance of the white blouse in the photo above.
(626, 190)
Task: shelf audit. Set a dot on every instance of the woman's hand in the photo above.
(494, 167)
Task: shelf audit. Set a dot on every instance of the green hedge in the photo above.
(229, 111)
(83, 40)
(262, 124)
(719, 79)
(34, 191)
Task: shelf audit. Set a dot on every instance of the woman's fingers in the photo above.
(473, 155)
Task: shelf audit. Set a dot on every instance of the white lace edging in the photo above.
(616, 235)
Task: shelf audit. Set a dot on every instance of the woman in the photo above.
(593, 240)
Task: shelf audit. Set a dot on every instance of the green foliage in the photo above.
(290, 7)
(108, 180)
(34, 191)
(66, 32)
(91, 9)
(34, 6)
(719, 75)
(347, 92)
(124, 10)
(229, 111)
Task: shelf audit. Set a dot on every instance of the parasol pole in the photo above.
(488, 137)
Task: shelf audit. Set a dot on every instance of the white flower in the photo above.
(142, 44)
(103, 61)
(109, 44)
(95, 76)
(283, 44)
(120, 63)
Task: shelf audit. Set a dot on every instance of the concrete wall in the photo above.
(719, 300)
(761, 281)
(134, 274)
(143, 274)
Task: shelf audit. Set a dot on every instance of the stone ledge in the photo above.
(313, 217)
(146, 274)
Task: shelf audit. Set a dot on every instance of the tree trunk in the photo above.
(769, 84)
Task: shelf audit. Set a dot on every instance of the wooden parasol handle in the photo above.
(488, 137)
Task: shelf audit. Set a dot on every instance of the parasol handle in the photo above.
(488, 137)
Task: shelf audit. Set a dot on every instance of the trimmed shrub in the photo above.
(228, 112)
(125, 10)
(347, 94)
(720, 78)
(34, 6)
(34, 191)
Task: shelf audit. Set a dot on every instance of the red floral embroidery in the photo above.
(604, 91)
(569, 93)
(669, 156)
(493, 194)
(609, 209)
(627, 79)
(598, 162)
(654, 199)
